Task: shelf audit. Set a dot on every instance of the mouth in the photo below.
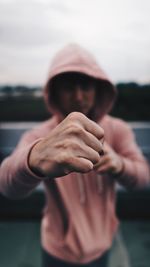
(80, 107)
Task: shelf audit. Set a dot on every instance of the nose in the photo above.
(78, 93)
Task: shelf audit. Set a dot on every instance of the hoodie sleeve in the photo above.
(16, 178)
(136, 169)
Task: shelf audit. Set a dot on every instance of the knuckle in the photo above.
(75, 129)
(69, 147)
(63, 158)
(66, 144)
(75, 116)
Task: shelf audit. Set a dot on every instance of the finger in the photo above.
(82, 165)
(103, 160)
(90, 140)
(88, 153)
(94, 129)
(78, 150)
(88, 124)
(104, 168)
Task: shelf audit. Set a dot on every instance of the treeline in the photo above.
(133, 102)
(19, 90)
(23, 103)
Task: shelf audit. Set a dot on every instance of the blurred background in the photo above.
(31, 32)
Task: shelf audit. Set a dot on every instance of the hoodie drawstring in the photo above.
(81, 185)
(81, 188)
(99, 184)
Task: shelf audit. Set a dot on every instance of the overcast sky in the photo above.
(117, 32)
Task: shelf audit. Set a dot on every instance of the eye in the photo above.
(86, 84)
(65, 85)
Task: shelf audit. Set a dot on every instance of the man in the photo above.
(79, 154)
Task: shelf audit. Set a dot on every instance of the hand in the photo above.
(74, 145)
(110, 162)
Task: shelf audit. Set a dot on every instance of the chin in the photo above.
(82, 110)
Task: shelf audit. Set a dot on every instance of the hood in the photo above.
(74, 58)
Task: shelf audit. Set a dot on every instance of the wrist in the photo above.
(120, 171)
(33, 161)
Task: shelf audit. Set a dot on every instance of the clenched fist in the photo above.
(74, 145)
(110, 163)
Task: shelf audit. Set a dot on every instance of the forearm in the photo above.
(135, 173)
(16, 178)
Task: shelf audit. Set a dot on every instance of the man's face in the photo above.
(76, 92)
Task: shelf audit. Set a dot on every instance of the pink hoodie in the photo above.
(79, 220)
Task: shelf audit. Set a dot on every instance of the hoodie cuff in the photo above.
(24, 176)
(31, 172)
